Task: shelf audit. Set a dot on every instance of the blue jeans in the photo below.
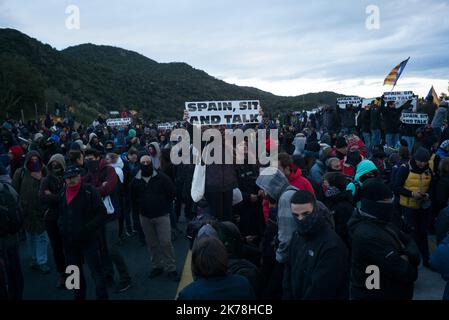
(367, 139)
(37, 245)
(410, 141)
(416, 221)
(392, 139)
(375, 137)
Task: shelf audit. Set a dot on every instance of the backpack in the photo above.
(10, 210)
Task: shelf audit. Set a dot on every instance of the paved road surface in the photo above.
(428, 286)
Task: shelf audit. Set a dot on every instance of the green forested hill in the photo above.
(95, 79)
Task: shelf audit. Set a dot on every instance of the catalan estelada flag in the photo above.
(395, 73)
(434, 96)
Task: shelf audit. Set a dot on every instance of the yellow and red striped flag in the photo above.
(395, 73)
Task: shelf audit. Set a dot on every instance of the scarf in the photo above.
(71, 193)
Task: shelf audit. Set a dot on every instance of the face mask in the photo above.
(93, 165)
(331, 191)
(152, 152)
(147, 170)
(34, 166)
(309, 224)
(58, 171)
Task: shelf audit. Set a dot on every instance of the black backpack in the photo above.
(10, 210)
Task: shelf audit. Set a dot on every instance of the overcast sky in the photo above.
(287, 47)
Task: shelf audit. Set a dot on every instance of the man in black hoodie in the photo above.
(318, 264)
(376, 242)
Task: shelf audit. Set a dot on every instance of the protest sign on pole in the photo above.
(117, 122)
(223, 112)
(414, 118)
(343, 101)
(368, 101)
(400, 98)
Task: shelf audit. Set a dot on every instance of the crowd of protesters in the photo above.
(353, 188)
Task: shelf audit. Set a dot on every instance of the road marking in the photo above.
(186, 276)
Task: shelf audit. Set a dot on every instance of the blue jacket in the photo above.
(439, 260)
(229, 287)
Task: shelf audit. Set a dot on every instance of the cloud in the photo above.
(321, 44)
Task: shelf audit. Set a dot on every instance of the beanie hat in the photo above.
(422, 155)
(132, 133)
(16, 151)
(341, 143)
(375, 189)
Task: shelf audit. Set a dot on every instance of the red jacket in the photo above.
(106, 174)
(295, 179)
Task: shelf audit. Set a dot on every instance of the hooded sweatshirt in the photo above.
(299, 143)
(276, 185)
(156, 158)
(28, 189)
(363, 167)
(118, 166)
(53, 184)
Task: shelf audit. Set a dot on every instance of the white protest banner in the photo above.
(414, 118)
(343, 101)
(368, 101)
(400, 98)
(224, 112)
(118, 122)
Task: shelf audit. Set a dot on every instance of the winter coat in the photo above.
(297, 180)
(229, 287)
(375, 118)
(442, 225)
(107, 174)
(374, 242)
(440, 194)
(28, 189)
(318, 268)
(276, 186)
(365, 121)
(80, 221)
(317, 171)
(154, 198)
(347, 117)
(54, 184)
(440, 117)
(341, 208)
(331, 120)
(391, 118)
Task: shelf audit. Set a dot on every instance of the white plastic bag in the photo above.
(198, 182)
(108, 204)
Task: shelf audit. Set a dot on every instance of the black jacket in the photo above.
(152, 199)
(375, 118)
(341, 208)
(377, 243)
(440, 194)
(318, 267)
(391, 119)
(51, 202)
(364, 121)
(80, 221)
